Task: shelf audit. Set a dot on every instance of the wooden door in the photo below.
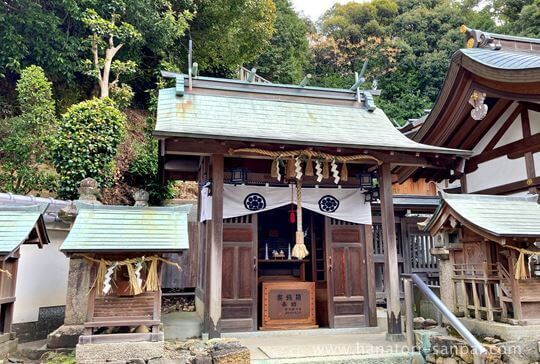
(239, 278)
(346, 265)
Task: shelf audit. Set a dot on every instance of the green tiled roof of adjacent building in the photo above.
(100, 228)
(504, 216)
(16, 225)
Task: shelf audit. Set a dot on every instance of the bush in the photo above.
(24, 150)
(86, 144)
(143, 172)
(122, 95)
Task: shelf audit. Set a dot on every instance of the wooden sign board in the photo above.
(288, 305)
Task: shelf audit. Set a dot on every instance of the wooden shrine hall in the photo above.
(286, 175)
(18, 225)
(487, 239)
(492, 245)
(124, 247)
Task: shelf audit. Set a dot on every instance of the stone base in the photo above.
(118, 352)
(66, 336)
(395, 337)
(8, 347)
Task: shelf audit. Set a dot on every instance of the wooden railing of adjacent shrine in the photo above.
(477, 290)
(490, 292)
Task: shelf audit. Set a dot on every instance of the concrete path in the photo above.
(324, 346)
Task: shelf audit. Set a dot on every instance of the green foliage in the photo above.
(86, 144)
(143, 172)
(122, 95)
(287, 56)
(528, 23)
(58, 358)
(230, 33)
(25, 138)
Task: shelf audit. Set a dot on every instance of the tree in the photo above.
(108, 36)
(229, 33)
(24, 151)
(528, 23)
(287, 56)
(86, 144)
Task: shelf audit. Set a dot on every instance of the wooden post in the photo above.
(516, 296)
(370, 277)
(391, 284)
(408, 291)
(216, 247)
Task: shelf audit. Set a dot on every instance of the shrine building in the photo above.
(286, 178)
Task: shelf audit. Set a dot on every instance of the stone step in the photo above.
(306, 332)
(386, 358)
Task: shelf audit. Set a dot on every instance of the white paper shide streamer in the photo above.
(318, 170)
(298, 168)
(335, 172)
(138, 268)
(108, 277)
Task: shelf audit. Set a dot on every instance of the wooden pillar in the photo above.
(370, 277)
(392, 278)
(216, 247)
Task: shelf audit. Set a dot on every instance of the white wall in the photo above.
(502, 170)
(41, 278)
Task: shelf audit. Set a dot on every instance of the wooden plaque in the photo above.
(288, 305)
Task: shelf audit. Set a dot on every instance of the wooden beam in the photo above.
(391, 284)
(504, 128)
(532, 106)
(483, 125)
(529, 159)
(511, 187)
(216, 247)
(513, 150)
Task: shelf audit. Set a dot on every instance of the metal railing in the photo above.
(479, 351)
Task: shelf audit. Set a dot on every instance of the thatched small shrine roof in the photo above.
(101, 228)
(21, 224)
(241, 111)
(497, 216)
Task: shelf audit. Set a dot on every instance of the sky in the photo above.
(315, 8)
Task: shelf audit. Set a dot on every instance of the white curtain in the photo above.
(340, 203)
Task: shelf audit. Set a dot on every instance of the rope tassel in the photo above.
(344, 172)
(290, 168)
(326, 170)
(309, 167)
(134, 287)
(299, 250)
(275, 168)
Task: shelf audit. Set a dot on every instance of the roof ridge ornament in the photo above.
(478, 39)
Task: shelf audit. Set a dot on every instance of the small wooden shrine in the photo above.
(493, 246)
(287, 175)
(125, 246)
(18, 225)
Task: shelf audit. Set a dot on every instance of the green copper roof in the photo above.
(503, 60)
(100, 228)
(268, 113)
(504, 216)
(16, 225)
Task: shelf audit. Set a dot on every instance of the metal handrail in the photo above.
(479, 351)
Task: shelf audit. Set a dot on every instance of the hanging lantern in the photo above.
(238, 176)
